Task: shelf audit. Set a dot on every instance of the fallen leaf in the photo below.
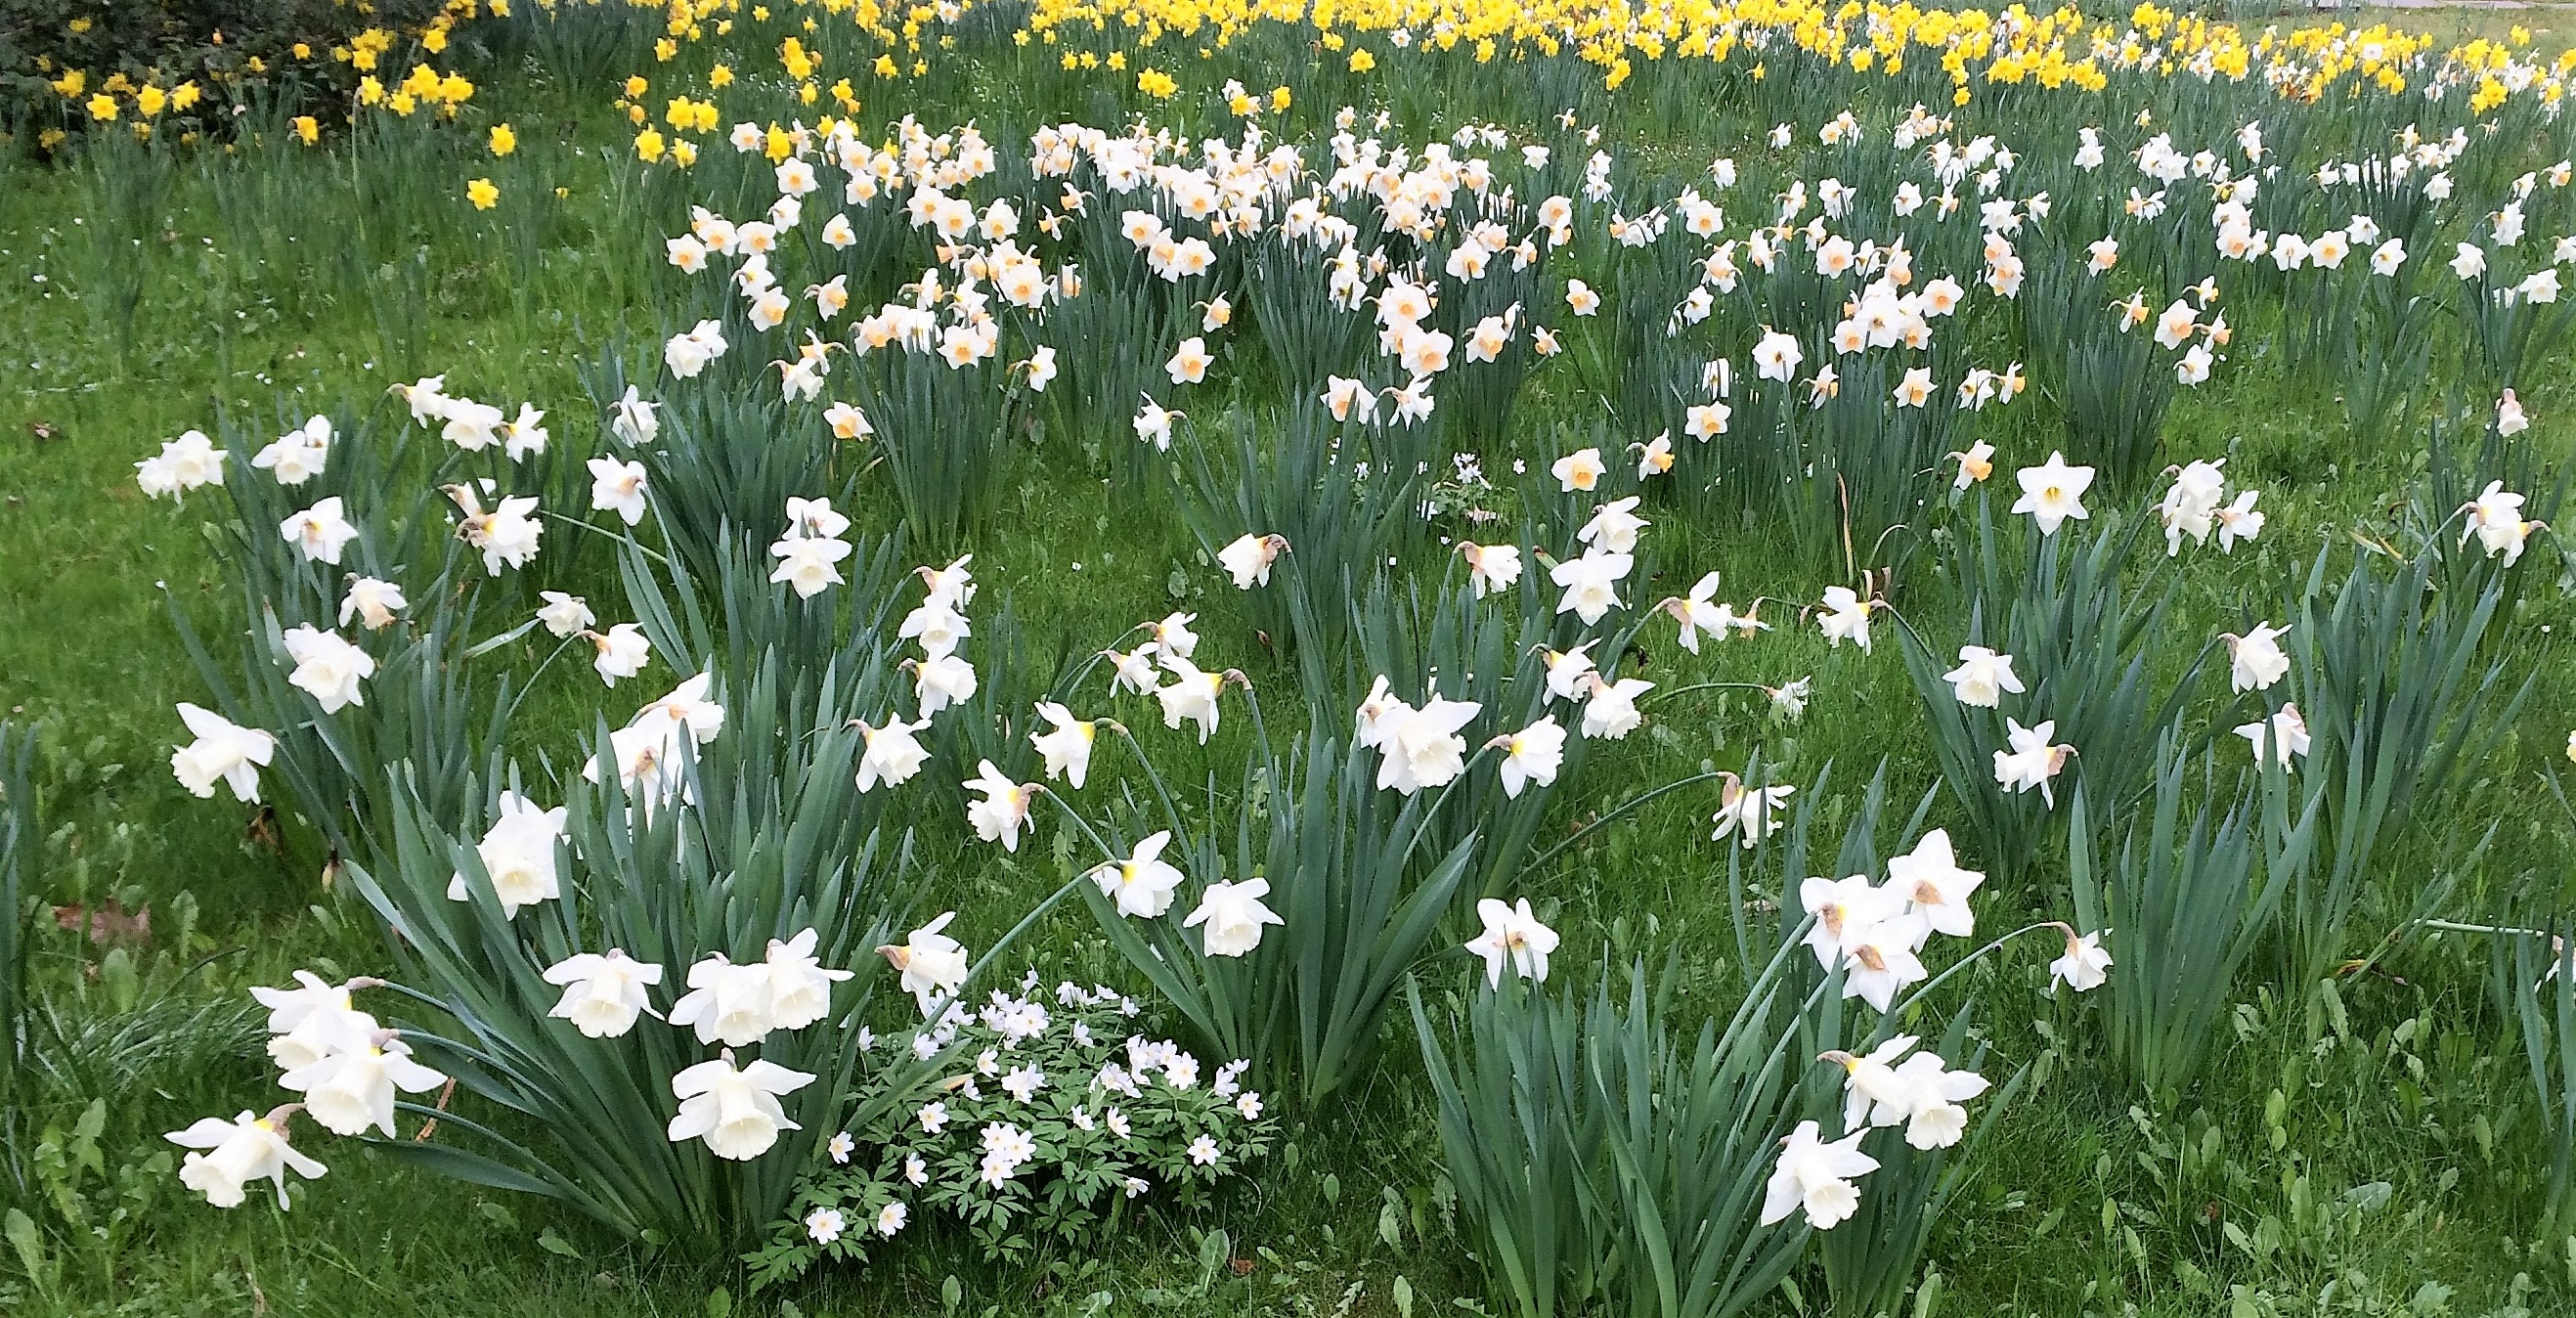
(262, 830)
(109, 925)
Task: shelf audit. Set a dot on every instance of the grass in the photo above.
(2367, 1148)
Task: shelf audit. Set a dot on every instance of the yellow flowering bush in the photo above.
(169, 65)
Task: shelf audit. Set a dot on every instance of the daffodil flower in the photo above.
(1142, 885)
(223, 752)
(352, 1092)
(1747, 812)
(2052, 492)
(932, 966)
(602, 994)
(1248, 559)
(227, 1155)
(2255, 660)
(1066, 745)
(183, 464)
(1004, 809)
(2032, 761)
(1815, 1176)
(1591, 583)
(1934, 887)
(1491, 568)
(2085, 966)
(1531, 755)
(1846, 617)
(1982, 677)
(1233, 915)
(736, 1112)
(1512, 936)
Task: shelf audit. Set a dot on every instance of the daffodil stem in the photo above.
(1171, 808)
(531, 683)
(1621, 809)
(1970, 959)
(1702, 686)
(626, 537)
(976, 971)
(2457, 927)
(1106, 851)
(1757, 991)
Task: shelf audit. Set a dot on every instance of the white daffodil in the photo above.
(299, 455)
(2191, 503)
(1931, 1096)
(1613, 527)
(936, 626)
(372, 603)
(319, 533)
(1173, 638)
(809, 563)
(621, 652)
(1747, 812)
(1421, 747)
(1591, 583)
(2053, 492)
(735, 1111)
(933, 965)
(603, 993)
(1512, 936)
(2238, 521)
(1697, 614)
(1141, 885)
(633, 421)
(941, 681)
(1569, 672)
(1531, 755)
(2085, 966)
(1004, 809)
(1066, 745)
(2283, 735)
(2256, 660)
(189, 462)
(223, 752)
(1931, 882)
(1816, 1176)
(328, 667)
(2031, 760)
(352, 1092)
(228, 1155)
(2495, 518)
(564, 615)
(518, 854)
(618, 487)
(890, 754)
(1846, 617)
(1491, 568)
(798, 983)
(1846, 910)
(1882, 960)
(1982, 677)
(1249, 557)
(313, 1020)
(1611, 713)
(1233, 914)
(1579, 471)
(1872, 1095)
(1191, 695)
(726, 1003)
